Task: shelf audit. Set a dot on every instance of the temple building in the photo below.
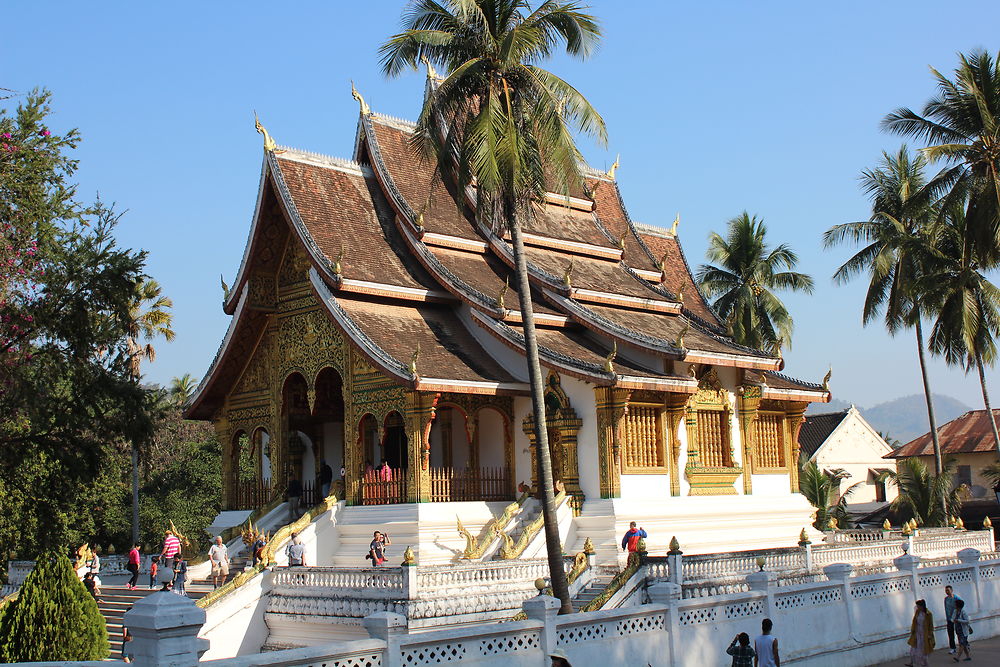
(375, 327)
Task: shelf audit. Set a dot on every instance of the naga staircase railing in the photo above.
(476, 547)
(514, 548)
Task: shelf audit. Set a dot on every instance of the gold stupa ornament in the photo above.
(987, 524)
(804, 538)
(675, 547)
(588, 546)
(409, 558)
(886, 525)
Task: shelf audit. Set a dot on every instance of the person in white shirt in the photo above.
(219, 557)
(765, 646)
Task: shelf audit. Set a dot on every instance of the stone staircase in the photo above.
(114, 601)
(236, 566)
(596, 586)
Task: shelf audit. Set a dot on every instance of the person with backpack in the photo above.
(962, 630)
(296, 552)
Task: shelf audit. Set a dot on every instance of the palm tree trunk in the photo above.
(560, 586)
(938, 465)
(986, 400)
(135, 494)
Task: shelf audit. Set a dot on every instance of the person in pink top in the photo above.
(171, 547)
(133, 566)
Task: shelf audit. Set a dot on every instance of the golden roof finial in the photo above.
(225, 288)
(413, 361)
(608, 360)
(680, 294)
(679, 343)
(568, 274)
(431, 72)
(503, 293)
(621, 242)
(763, 380)
(617, 163)
(365, 110)
(826, 379)
(677, 221)
(338, 268)
(269, 144)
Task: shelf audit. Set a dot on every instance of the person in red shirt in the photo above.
(133, 566)
(630, 542)
(171, 547)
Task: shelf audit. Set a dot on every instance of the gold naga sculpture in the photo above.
(185, 542)
(826, 379)
(673, 228)
(269, 145)
(617, 163)
(609, 360)
(365, 109)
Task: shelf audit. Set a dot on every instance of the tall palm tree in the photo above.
(499, 121)
(748, 274)
(182, 387)
(896, 241)
(822, 489)
(962, 124)
(149, 318)
(965, 303)
(930, 499)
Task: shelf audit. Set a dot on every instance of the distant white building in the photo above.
(845, 441)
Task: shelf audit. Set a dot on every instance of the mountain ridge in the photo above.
(903, 418)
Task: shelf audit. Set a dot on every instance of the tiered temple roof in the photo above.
(426, 292)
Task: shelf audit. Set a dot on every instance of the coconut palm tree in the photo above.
(499, 121)
(182, 387)
(745, 279)
(822, 489)
(966, 304)
(962, 124)
(149, 318)
(930, 499)
(897, 240)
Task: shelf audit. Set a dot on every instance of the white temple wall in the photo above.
(491, 439)
(512, 361)
(584, 401)
(770, 485)
(522, 452)
(645, 486)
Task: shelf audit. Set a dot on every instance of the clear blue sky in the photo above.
(715, 107)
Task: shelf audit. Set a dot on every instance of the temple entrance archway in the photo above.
(314, 427)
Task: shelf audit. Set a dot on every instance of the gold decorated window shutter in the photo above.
(713, 438)
(769, 441)
(643, 438)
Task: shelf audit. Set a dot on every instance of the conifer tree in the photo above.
(53, 618)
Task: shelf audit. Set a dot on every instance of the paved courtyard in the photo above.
(985, 652)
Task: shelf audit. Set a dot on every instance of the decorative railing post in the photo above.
(409, 566)
(909, 563)
(807, 554)
(164, 629)
(971, 557)
(675, 562)
(841, 574)
(669, 594)
(764, 582)
(544, 608)
(390, 628)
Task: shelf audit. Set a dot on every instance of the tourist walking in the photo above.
(294, 498)
(153, 567)
(962, 629)
(765, 646)
(949, 610)
(171, 547)
(219, 557)
(180, 576)
(126, 638)
(132, 565)
(921, 635)
(630, 542)
(325, 479)
(296, 552)
(257, 550)
(376, 550)
(743, 654)
(91, 585)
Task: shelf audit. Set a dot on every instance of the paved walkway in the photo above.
(984, 652)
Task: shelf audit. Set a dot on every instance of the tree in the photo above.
(822, 489)
(962, 124)
(182, 387)
(748, 274)
(897, 240)
(501, 122)
(930, 499)
(54, 618)
(965, 304)
(148, 318)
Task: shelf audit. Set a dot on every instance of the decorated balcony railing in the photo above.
(385, 486)
(470, 484)
(250, 494)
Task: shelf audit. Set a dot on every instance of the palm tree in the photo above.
(822, 489)
(745, 280)
(149, 317)
(930, 499)
(182, 387)
(965, 304)
(962, 124)
(499, 121)
(897, 241)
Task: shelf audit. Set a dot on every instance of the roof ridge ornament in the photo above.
(621, 242)
(680, 294)
(365, 109)
(431, 72)
(608, 360)
(673, 227)
(501, 295)
(338, 268)
(679, 343)
(269, 145)
(610, 173)
(826, 379)
(225, 289)
(568, 274)
(413, 361)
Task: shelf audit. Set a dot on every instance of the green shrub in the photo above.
(53, 618)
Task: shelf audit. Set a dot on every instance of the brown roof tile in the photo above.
(780, 381)
(678, 275)
(665, 327)
(485, 273)
(447, 349)
(591, 273)
(967, 434)
(608, 208)
(340, 208)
